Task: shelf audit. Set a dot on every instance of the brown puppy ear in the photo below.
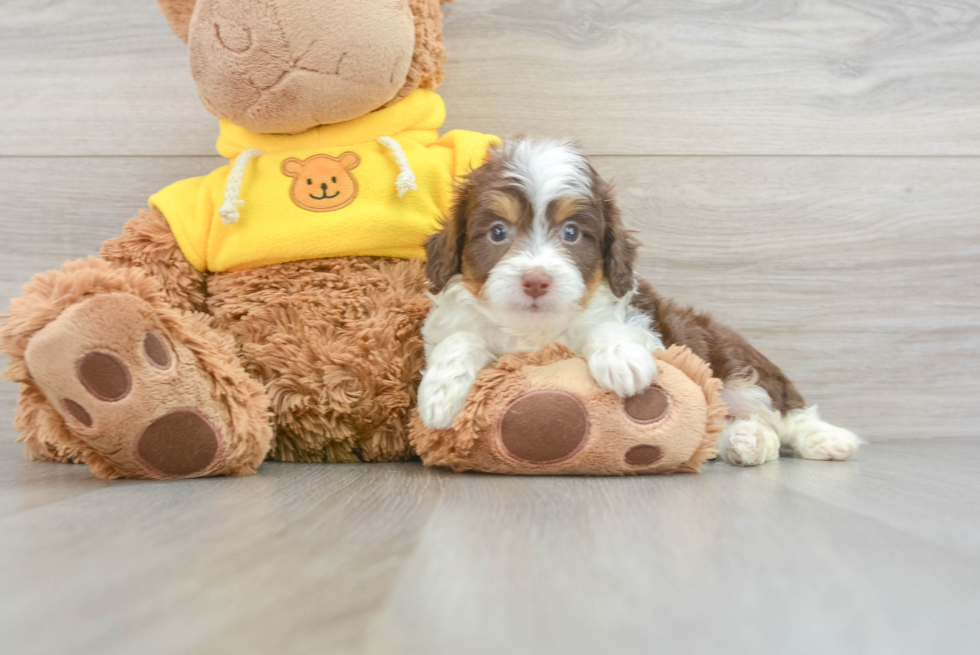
(178, 14)
(618, 246)
(444, 249)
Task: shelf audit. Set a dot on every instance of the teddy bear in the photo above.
(274, 306)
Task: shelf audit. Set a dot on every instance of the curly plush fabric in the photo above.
(338, 344)
(148, 243)
(429, 60)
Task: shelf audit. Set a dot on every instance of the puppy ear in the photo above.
(178, 14)
(618, 245)
(444, 249)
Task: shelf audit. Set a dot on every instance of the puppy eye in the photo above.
(497, 233)
(570, 233)
(309, 181)
(333, 179)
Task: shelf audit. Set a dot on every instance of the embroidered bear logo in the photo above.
(323, 183)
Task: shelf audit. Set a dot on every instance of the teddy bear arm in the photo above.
(148, 243)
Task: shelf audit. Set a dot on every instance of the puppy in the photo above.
(534, 252)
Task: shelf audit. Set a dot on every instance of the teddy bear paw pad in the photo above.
(104, 376)
(544, 427)
(644, 455)
(179, 444)
(647, 407)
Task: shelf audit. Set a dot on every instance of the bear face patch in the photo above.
(323, 183)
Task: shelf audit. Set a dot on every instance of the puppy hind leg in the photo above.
(749, 439)
(809, 437)
(757, 430)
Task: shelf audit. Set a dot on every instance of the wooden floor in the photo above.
(808, 171)
(878, 555)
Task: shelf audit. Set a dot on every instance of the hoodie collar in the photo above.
(420, 110)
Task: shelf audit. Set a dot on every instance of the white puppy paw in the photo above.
(820, 440)
(441, 397)
(747, 442)
(626, 368)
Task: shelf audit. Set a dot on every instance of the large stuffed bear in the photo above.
(274, 306)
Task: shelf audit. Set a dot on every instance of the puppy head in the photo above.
(535, 230)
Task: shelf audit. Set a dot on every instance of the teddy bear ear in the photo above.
(350, 160)
(178, 14)
(292, 167)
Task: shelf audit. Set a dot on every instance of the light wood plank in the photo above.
(399, 559)
(857, 275)
(625, 77)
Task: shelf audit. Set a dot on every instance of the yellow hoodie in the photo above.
(373, 186)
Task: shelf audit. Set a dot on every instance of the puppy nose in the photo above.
(536, 282)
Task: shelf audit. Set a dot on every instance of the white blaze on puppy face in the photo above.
(545, 173)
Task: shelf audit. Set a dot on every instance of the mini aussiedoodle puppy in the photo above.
(535, 252)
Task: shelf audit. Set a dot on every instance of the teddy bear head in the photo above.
(285, 66)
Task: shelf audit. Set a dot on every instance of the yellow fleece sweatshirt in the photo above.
(373, 186)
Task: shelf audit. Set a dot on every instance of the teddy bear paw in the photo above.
(124, 389)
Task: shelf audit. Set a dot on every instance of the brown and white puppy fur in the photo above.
(535, 252)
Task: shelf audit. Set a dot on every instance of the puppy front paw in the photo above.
(441, 397)
(626, 368)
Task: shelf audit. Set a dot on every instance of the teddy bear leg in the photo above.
(113, 376)
(140, 399)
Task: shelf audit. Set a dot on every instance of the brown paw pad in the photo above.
(643, 455)
(78, 412)
(156, 351)
(544, 427)
(647, 407)
(104, 376)
(179, 444)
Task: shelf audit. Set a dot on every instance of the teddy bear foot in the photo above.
(543, 414)
(134, 395)
(550, 427)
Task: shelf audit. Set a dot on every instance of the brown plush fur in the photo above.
(147, 243)
(428, 63)
(337, 343)
(686, 435)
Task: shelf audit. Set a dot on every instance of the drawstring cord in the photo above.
(406, 179)
(233, 190)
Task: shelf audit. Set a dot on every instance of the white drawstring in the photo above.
(233, 190)
(405, 181)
